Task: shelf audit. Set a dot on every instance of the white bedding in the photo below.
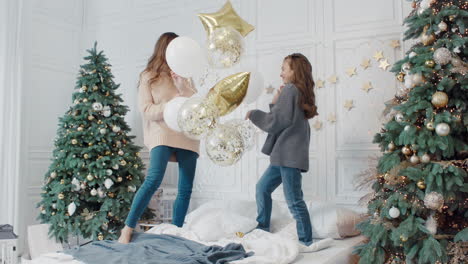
(269, 248)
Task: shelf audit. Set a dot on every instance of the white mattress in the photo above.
(339, 253)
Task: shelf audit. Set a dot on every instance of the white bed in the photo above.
(218, 222)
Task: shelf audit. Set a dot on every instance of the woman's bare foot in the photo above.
(125, 235)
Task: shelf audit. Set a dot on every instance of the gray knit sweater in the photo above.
(288, 130)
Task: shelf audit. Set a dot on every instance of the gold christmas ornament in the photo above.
(430, 63)
(61, 196)
(119, 179)
(430, 126)
(427, 39)
(123, 162)
(101, 236)
(406, 150)
(391, 146)
(414, 159)
(401, 77)
(90, 118)
(421, 185)
(225, 17)
(90, 177)
(62, 181)
(228, 93)
(439, 99)
(86, 156)
(74, 141)
(403, 238)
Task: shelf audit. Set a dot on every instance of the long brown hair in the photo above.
(157, 63)
(303, 80)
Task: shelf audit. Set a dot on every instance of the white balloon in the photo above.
(171, 111)
(255, 87)
(185, 57)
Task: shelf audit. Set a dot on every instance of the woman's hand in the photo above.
(247, 116)
(278, 92)
(179, 83)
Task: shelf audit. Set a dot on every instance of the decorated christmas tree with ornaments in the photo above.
(96, 168)
(418, 208)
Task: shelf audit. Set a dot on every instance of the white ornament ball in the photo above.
(434, 201)
(412, 54)
(414, 159)
(115, 167)
(106, 113)
(101, 193)
(394, 212)
(76, 184)
(108, 183)
(53, 175)
(93, 192)
(399, 117)
(409, 83)
(120, 152)
(442, 129)
(457, 49)
(54, 206)
(406, 67)
(442, 26)
(103, 131)
(391, 146)
(97, 106)
(442, 56)
(116, 129)
(71, 208)
(407, 128)
(109, 172)
(131, 188)
(425, 158)
(83, 186)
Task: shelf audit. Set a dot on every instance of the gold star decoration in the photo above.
(333, 79)
(351, 71)
(384, 64)
(270, 89)
(317, 125)
(395, 43)
(367, 86)
(349, 104)
(332, 118)
(226, 16)
(320, 83)
(378, 55)
(365, 63)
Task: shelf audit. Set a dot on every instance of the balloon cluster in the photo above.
(198, 117)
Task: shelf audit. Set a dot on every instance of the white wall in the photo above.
(333, 34)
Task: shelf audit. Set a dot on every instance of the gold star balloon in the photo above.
(225, 17)
(228, 93)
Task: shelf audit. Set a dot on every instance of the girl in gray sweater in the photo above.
(287, 144)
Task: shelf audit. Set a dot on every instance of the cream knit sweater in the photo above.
(152, 100)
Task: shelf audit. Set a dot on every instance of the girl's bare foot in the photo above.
(125, 235)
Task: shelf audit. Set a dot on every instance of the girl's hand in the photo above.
(278, 92)
(179, 83)
(247, 116)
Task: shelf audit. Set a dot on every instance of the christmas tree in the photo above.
(96, 168)
(418, 209)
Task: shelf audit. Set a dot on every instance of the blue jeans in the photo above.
(292, 181)
(159, 157)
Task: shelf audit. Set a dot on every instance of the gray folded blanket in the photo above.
(157, 249)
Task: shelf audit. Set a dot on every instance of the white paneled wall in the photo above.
(334, 34)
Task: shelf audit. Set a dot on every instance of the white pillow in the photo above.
(213, 224)
(205, 220)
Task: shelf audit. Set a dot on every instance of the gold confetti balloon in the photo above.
(225, 47)
(228, 93)
(224, 145)
(196, 117)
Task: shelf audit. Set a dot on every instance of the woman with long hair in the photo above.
(158, 85)
(287, 144)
